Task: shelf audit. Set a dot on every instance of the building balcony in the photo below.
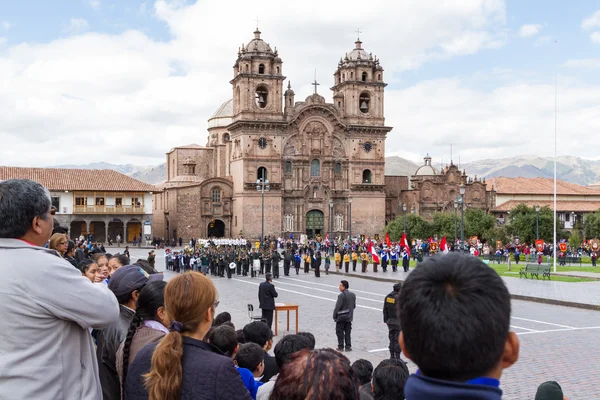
(108, 209)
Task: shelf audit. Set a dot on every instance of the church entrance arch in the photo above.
(216, 228)
(315, 223)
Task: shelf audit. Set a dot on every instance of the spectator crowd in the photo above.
(80, 324)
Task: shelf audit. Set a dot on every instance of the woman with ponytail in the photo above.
(149, 325)
(182, 366)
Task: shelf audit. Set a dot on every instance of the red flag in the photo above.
(404, 242)
(444, 245)
(387, 239)
(373, 252)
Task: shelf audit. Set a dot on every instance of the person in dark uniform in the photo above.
(238, 261)
(390, 317)
(384, 259)
(222, 265)
(245, 263)
(176, 262)
(307, 261)
(254, 256)
(405, 260)
(267, 258)
(318, 264)
(394, 257)
(275, 258)
(266, 298)
(287, 261)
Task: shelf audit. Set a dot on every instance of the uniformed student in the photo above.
(390, 317)
(346, 262)
(307, 258)
(394, 257)
(364, 257)
(267, 259)
(287, 261)
(297, 262)
(338, 260)
(327, 263)
(354, 260)
(275, 258)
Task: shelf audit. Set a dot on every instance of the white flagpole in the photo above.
(555, 147)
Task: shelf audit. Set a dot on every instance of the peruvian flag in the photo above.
(373, 253)
(388, 242)
(404, 243)
(444, 245)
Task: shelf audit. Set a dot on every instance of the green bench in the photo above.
(572, 260)
(535, 270)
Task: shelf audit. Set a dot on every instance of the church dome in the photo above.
(257, 45)
(426, 169)
(359, 53)
(223, 116)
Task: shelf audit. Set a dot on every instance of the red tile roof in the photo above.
(561, 205)
(77, 179)
(520, 185)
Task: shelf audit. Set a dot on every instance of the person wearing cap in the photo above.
(47, 308)
(390, 318)
(126, 284)
(550, 390)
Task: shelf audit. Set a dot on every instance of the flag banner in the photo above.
(444, 245)
(387, 239)
(404, 243)
(539, 245)
(563, 247)
(433, 246)
(474, 240)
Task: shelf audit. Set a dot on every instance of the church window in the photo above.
(277, 69)
(246, 67)
(261, 173)
(338, 168)
(367, 176)
(226, 138)
(315, 168)
(364, 102)
(364, 76)
(351, 75)
(288, 167)
(343, 77)
(261, 96)
(378, 77)
(216, 195)
(261, 69)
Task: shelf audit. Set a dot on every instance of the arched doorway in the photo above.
(216, 228)
(315, 223)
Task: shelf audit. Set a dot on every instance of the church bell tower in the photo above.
(257, 82)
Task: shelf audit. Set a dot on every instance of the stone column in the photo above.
(106, 222)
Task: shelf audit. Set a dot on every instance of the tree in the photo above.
(477, 223)
(523, 224)
(591, 225)
(416, 227)
(443, 225)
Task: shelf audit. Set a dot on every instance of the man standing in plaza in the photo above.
(343, 313)
(266, 298)
(390, 318)
(47, 308)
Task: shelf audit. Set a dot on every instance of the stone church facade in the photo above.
(324, 162)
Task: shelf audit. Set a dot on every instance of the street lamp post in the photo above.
(537, 222)
(330, 219)
(404, 210)
(262, 185)
(462, 189)
(350, 218)
(455, 225)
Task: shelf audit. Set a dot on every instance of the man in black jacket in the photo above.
(266, 299)
(390, 318)
(343, 314)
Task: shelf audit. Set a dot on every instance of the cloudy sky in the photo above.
(123, 81)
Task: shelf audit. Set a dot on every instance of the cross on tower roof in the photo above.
(358, 33)
(315, 83)
(257, 21)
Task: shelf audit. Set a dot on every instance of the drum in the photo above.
(232, 265)
(256, 265)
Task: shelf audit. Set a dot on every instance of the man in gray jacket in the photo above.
(343, 314)
(47, 308)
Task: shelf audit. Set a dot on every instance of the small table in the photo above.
(288, 308)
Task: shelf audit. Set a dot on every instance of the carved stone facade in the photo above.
(431, 191)
(324, 162)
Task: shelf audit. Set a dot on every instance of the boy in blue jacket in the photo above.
(455, 314)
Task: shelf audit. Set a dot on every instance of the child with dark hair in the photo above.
(258, 332)
(89, 269)
(443, 293)
(251, 356)
(364, 372)
(149, 325)
(389, 379)
(221, 318)
(310, 337)
(224, 338)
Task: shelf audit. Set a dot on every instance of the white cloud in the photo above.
(591, 22)
(530, 30)
(3, 40)
(6, 25)
(127, 98)
(76, 25)
(595, 36)
(583, 63)
(95, 4)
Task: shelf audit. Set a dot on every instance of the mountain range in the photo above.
(570, 169)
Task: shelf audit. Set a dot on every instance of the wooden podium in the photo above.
(288, 308)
